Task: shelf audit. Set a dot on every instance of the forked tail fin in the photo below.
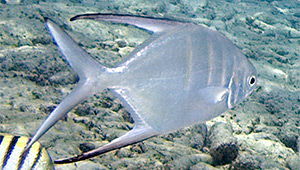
(84, 65)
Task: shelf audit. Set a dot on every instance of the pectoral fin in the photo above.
(213, 94)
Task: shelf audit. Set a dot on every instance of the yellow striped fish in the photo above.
(13, 158)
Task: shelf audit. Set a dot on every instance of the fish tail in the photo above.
(87, 68)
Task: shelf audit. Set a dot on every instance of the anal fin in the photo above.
(137, 134)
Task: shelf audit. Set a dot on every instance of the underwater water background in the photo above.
(260, 133)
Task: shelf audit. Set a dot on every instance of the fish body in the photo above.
(181, 77)
(183, 74)
(12, 156)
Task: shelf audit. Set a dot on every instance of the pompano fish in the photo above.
(183, 74)
(12, 156)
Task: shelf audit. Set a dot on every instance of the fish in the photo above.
(183, 74)
(13, 157)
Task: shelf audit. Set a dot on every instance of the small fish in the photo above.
(13, 157)
(183, 74)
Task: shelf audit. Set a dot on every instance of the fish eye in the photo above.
(252, 80)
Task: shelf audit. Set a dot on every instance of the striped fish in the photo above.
(11, 158)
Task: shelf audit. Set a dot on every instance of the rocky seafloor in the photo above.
(260, 133)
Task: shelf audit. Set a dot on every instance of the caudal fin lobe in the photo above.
(84, 65)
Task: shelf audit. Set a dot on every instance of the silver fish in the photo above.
(13, 157)
(183, 74)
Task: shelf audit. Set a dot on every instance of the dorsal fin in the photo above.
(147, 23)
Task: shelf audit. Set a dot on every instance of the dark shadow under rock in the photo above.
(223, 146)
